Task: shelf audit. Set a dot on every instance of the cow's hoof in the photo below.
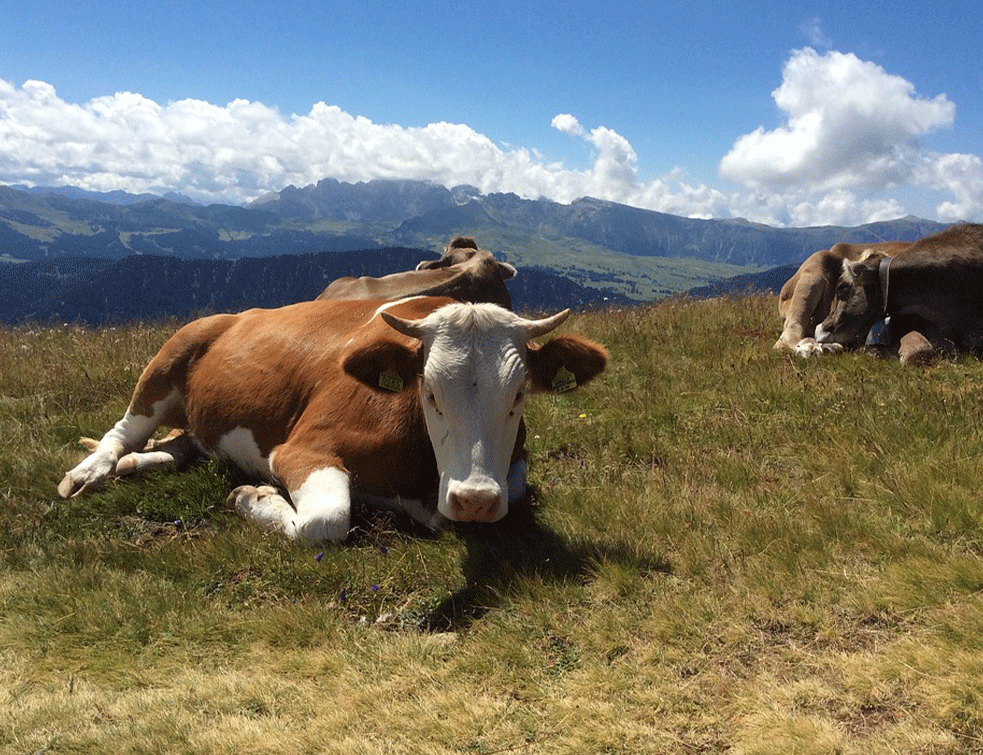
(85, 477)
(916, 349)
(808, 347)
(248, 500)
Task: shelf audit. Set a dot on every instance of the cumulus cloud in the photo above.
(245, 149)
(852, 133)
(852, 127)
(567, 124)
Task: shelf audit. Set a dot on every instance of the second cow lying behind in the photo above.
(464, 273)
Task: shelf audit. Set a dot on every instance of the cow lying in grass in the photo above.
(806, 297)
(404, 404)
(929, 297)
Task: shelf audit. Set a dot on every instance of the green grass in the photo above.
(726, 550)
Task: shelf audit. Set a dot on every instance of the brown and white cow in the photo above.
(464, 272)
(805, 299)
(397, 403)
(931, 294)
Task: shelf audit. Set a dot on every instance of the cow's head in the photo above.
(462, 250)
(858, 302)
(478, 367)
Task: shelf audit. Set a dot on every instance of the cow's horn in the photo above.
(536, 328)
(410, 328)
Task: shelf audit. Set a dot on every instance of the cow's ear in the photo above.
(864, 270)
(385, 365)
(564, 363)
(506, 270)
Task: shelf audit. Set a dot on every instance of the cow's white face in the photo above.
(473, 392)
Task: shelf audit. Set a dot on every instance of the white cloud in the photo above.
(245, 149)
(853, 129)
(567, 124)
(851, 137)
(813, 30)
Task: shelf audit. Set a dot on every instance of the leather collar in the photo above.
(884, 269)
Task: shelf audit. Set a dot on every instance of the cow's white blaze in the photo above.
(473, 392)
(472, 409)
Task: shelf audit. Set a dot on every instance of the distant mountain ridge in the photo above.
(147, 287)
(109, 197)
(78, 255)
(333, 215)
(428, 208)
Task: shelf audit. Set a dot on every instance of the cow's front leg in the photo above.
(318, 511)
(319, 490)
(324, 506)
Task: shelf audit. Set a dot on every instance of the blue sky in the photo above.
(784, 113)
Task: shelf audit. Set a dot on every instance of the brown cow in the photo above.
(929, 297)
(805, 299)
(464, 272)
(400, 404)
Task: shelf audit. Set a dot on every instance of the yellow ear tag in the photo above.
(390, 380)
(564, 381)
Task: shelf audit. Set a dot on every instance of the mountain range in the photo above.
(70, 245)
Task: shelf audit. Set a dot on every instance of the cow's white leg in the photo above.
(324, 503)
(321, 509)
(130, 432)
(167, 453)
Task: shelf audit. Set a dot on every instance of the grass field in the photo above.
(726, 550)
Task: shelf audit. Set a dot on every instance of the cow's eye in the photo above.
(432, 400)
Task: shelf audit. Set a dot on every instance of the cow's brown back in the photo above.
(464, 273)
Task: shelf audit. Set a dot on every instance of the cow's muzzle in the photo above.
(475, 503)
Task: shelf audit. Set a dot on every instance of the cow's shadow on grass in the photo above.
(520, 546)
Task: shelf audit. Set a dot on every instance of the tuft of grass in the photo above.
(725, 549)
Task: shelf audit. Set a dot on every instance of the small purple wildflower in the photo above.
(384, 550)
(319, 556)
(375, 588)
(343, 596)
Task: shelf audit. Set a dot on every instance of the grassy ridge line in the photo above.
(727, 550)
